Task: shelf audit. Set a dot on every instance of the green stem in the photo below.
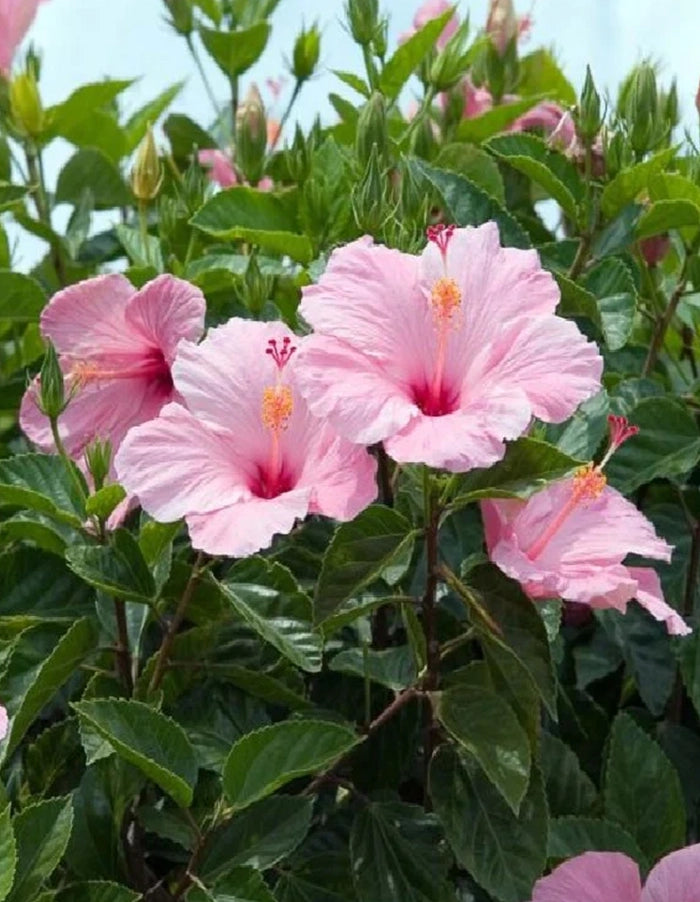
(423, 110)
(372, 74)
(35, 172)
(68, 463)
(143, 229)
(203, 75)
(234, 106)
(123, 654)
(287, 112)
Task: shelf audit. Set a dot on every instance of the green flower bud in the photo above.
(251, 136)
(307, 49)
(255, 287)
(25, 105)
(640, 109)
(372, 129)
(363, 18)
(380, 38)
(98, 457)
(423, 143)
(502, 25)
(369, 196)
(181, 17)
(451, 62)
(52, 400)
(299, 157)
(147, 172)
(618, 154)
(588, 118)
(670, 106)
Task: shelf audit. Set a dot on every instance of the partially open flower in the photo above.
(571, 539)
(15, 18)
(245, 459)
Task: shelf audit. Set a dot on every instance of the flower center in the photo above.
(277, 407)
(586, 486)
(151, 366)
(445, 302)
(276, 411)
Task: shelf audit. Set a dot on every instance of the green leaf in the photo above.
(8, 853)
(241, 885)
(632, 181)
(118, 569)
(66, 118)
(103, 502)
(353, 81)
(98, 891)
(184, 135)
(262, 761)
(148, 739)
(664, 215)
(467, 205)
(667, 446)
(21, 298)
(10, 194)
(261, 217)
(41, 483)
(581, 435)
(571, 836)
(268, 598)
(391, 667)
(235, 51)
(360, 552)
(92, 169)
(42, 832)
(38, 670)
(642, 791)
(527, 467)
(409, 55)
(505, 853)
(550, 169)
(40, 585)
(149, 114)
(258, 837)
(474, 164)
(480, 128)
(143, 251)
(569, 789)
(521, 627)
(540, 74)
(485, 727)
(611, 283)
(389, 863)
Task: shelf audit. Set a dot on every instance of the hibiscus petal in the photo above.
(165, 311)
(177, 466)
(247, 526)
(676, 878)
(591, 877)
(468, 438)
(89, 318)
(346, 386)
(3, 722)
(650, 595)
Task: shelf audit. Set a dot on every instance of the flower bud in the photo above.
(299, 157)
(655, 248)
(255, 287)
(368, 196)
(307, 49)
(423, 143)
(52, 400)
(380, 39)
(181, 18)
(251, 136)
(670, 106)
(25, 105)
(147, 172)
(98, 457)
(618, 154)
(372, 131)
(640, 108)
(502, 24)
(363, 18)
(451, 62)
(588, 118)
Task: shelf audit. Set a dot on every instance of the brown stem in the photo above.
(187, 877)
(166, 647)
(386, 489)
(122, 653)
(581, 257)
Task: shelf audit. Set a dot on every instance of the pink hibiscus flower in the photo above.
(431, 9)
(246, 459)
(115, 347)
(570, 541)
(3, 722)
(15, 18)
(613, 877)
(441, 356)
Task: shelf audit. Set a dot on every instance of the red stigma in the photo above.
(282, 355)
(620, 430)
(440, 234)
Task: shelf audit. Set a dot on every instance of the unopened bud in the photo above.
(502, 24)
(307, 49)
(147, 172)
(255, 288)
(298, 157)
(181, 18)
(641, 108)
(368, 196)
(372, 131)
(670, 106)
(98, 457)
(363, 18)
(380, 39)
(588, 118)
(251, 136)
(451, 62)
(655, 248)
(618, 154)
(52, 401)
(423, 143)
(25, 105)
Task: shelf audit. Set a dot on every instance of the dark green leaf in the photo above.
(632, 181)
(611, 283)
(8, 853)
(663, 215)
(480, 128)
(569, 789)
(42, 832)
(21, 298)
(91, 168)
(118, 568)
(571, 836)
(103, 502)
(391, 667)
(148, 739)
(262, 761)
(149, 114)
(475, 165)
(241, 885)
(184, 135)
(235, 51)
(41, 482)
(98, 891)
(410, 54)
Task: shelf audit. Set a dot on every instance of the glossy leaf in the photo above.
(42, 832)
(118, 569)
(8, 853)
(571, 836)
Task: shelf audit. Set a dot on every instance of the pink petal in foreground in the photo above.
(592, 877)
(650, 595)
(3, 722)
(166, 311)
(676, 878)
(16, 16)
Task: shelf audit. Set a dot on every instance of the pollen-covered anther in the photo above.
(277, 407)
(589, 482)
(445, 301)
(84, 372)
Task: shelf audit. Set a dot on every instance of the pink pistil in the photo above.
(440, 235)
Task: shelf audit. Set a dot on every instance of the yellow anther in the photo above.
(589, 482)
(277, 407)
(445, 300)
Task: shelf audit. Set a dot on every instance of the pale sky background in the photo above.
(86, 40)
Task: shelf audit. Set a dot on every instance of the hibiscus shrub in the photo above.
(349, 496)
